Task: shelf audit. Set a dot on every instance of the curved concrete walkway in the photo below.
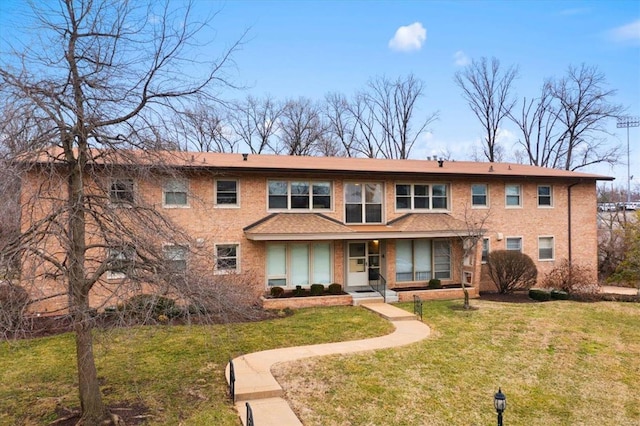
(255, 383)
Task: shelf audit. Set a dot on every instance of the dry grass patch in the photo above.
(559, 363)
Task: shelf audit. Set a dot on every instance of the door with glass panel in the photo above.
(357, 262)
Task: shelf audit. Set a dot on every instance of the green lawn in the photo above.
(559, 363)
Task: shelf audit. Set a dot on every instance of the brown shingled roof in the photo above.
(265, 162)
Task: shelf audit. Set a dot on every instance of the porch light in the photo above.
(500, 402)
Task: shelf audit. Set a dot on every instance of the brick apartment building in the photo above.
(293, 221)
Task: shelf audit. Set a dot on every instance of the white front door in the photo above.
(357, 273)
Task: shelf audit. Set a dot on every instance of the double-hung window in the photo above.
(363, 202)
(513, 196)
(226, 193)
(227, 257)
(175, 193)
(545, 248)
(479, 195)
(176, 257)
(299, 195)
(121, 191)
(545, 196)
(514, 243)
(413, 196)
(485, 249)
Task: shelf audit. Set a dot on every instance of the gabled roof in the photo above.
(322, 165)
(315, 226)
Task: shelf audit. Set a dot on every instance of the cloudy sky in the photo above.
(311, 48)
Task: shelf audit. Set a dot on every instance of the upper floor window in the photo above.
(479, 195)
(175, 193)
(513, 196)
(545, 248)
(363, 202)
(514, 243)
(176, 257)
(227, 257)
(421, 196)
(545, 196)
(299, 195)
(226, 193)
(121, 191)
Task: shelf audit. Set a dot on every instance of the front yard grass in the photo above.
(559, 363)
(177, 372)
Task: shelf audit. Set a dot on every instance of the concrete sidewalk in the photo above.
(255, 383)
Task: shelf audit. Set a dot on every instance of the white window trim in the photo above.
(175, 206)
(364, 203)
(488, 240)
(520, 196)
(331, 208)
(227, 271)
(553, 248)
(430, 208)
(215, 195)
(550, 206)
(111, 275)
(514, 237)
(186, 257)
(123, 204)
(480, 206)
(288, 263)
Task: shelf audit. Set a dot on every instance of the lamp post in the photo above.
(628, 122)
(500, 402)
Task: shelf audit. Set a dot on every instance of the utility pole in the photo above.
(628, 122)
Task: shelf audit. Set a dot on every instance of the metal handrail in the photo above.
(232, 382)
(417, 306)
(380, 285)
(249, 415)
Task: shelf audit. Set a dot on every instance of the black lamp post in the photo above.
(500, 402)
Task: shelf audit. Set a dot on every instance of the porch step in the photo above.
(391, 296)
(368, 295)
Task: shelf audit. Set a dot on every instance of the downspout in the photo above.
(569, 233)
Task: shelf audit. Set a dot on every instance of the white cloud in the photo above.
(408, 38)
(461, 59)
(628, 32)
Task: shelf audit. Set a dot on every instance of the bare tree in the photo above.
(390, 109)
(565, 127)
(301, 127)
(341, 123)
(102, 78)
(487, 89)
(256, 122)
(203, 128)
(470, 236)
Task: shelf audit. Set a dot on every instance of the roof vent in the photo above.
(490, 168)
(441, 162)
(244, 157)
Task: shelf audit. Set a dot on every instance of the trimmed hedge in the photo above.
(539, 294)
(316, 290)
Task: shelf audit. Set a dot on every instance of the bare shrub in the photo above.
(511, 270)
(572, 278)
(13, 304)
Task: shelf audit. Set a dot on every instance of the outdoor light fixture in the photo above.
(500, 402)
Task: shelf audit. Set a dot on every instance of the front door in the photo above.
(363, 262)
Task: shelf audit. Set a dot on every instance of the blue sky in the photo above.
(310, 48)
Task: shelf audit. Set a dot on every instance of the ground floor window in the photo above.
(227, 257)
(422, 259)
(292, 264)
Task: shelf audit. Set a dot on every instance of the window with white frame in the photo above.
(176, 257)
(174, 193)
(514, 243)
(513, 197)
(121, 191)
(226, 193)
(299, 195)
(485, 249)
(414, 196)
(479, 195)
(363, 202)
(422, 259)
(545, 196)
(120, 261)
(227, 257)
(545, 248)
(292, 264)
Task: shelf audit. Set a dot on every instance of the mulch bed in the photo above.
(516, 297)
